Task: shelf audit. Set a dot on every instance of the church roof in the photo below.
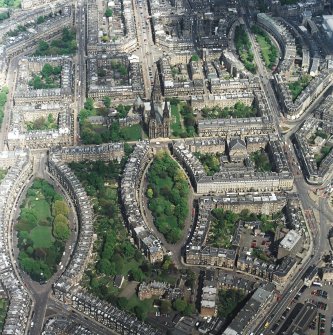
(237, 143)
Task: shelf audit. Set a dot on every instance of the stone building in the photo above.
(20, 164)
(157, 115)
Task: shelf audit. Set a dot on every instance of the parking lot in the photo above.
(320, 296)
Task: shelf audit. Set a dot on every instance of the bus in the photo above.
(315, 283)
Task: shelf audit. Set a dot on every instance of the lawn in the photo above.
(298, 86)
(42, 234)
(42, 237)
(261, 161)
(267, 48)
(176, 125)
(243, 47)
(131, 133)
(10, 3)
(41, 208)
(3, 173)
(3, 312)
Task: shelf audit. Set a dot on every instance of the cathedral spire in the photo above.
(156, 94)
(166, 113)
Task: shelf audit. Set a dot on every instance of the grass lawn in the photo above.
(42, 237)
(3, 173)
(3, 312)
(176, 125)
(265, 48)
(132, 133)
(10, 3)
(135, 301)
(41, 208)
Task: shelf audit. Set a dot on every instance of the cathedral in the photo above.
(157, 113)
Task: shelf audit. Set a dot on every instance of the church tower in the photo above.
(159, 115)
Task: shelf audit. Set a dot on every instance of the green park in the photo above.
(182, 119)
(3, 99)
(3, 312)
(66, 45)
(210, 162)
(239, 110)
(97, 134)
(299, 85)
(167, 193)
(10, 3)
(261, 161)
(48, 78)
(115, 254)
(243, 48)
(268, 50)
(224, 224)
(42, 123)
(3, 173)
(42, 230)
(230, 302)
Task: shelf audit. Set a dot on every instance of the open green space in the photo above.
(224, 224)
(3, 312)
(42, 123)
(3, 173)
(97, 134)
(210, 162)
(183, 121)
(176, 125)
(243, 48)
(324, 151)
(261, 161)
(298, 86)
(268, 50)
(42, 237)
(167, 193)
(230, 302)
(48, 78)
(239, 110)
(66, 45)
(115, 253)
(42, 230)
(4, 16)
(3, 99)
(10, 3)
(260, 254)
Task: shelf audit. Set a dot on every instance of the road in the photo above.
(147, 51)
(320, 232)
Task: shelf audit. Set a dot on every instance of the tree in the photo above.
(150, 193)
(136, 275)
(60, 207)
(47, 70)
(128, 249)
(165, 306)
(195, 58)
(108, 12)
(89, 104)
(179, 305)
(105, 38)
(107, 102)
(106, 267)
(61, 229)
(141, 312)
(40, 19)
